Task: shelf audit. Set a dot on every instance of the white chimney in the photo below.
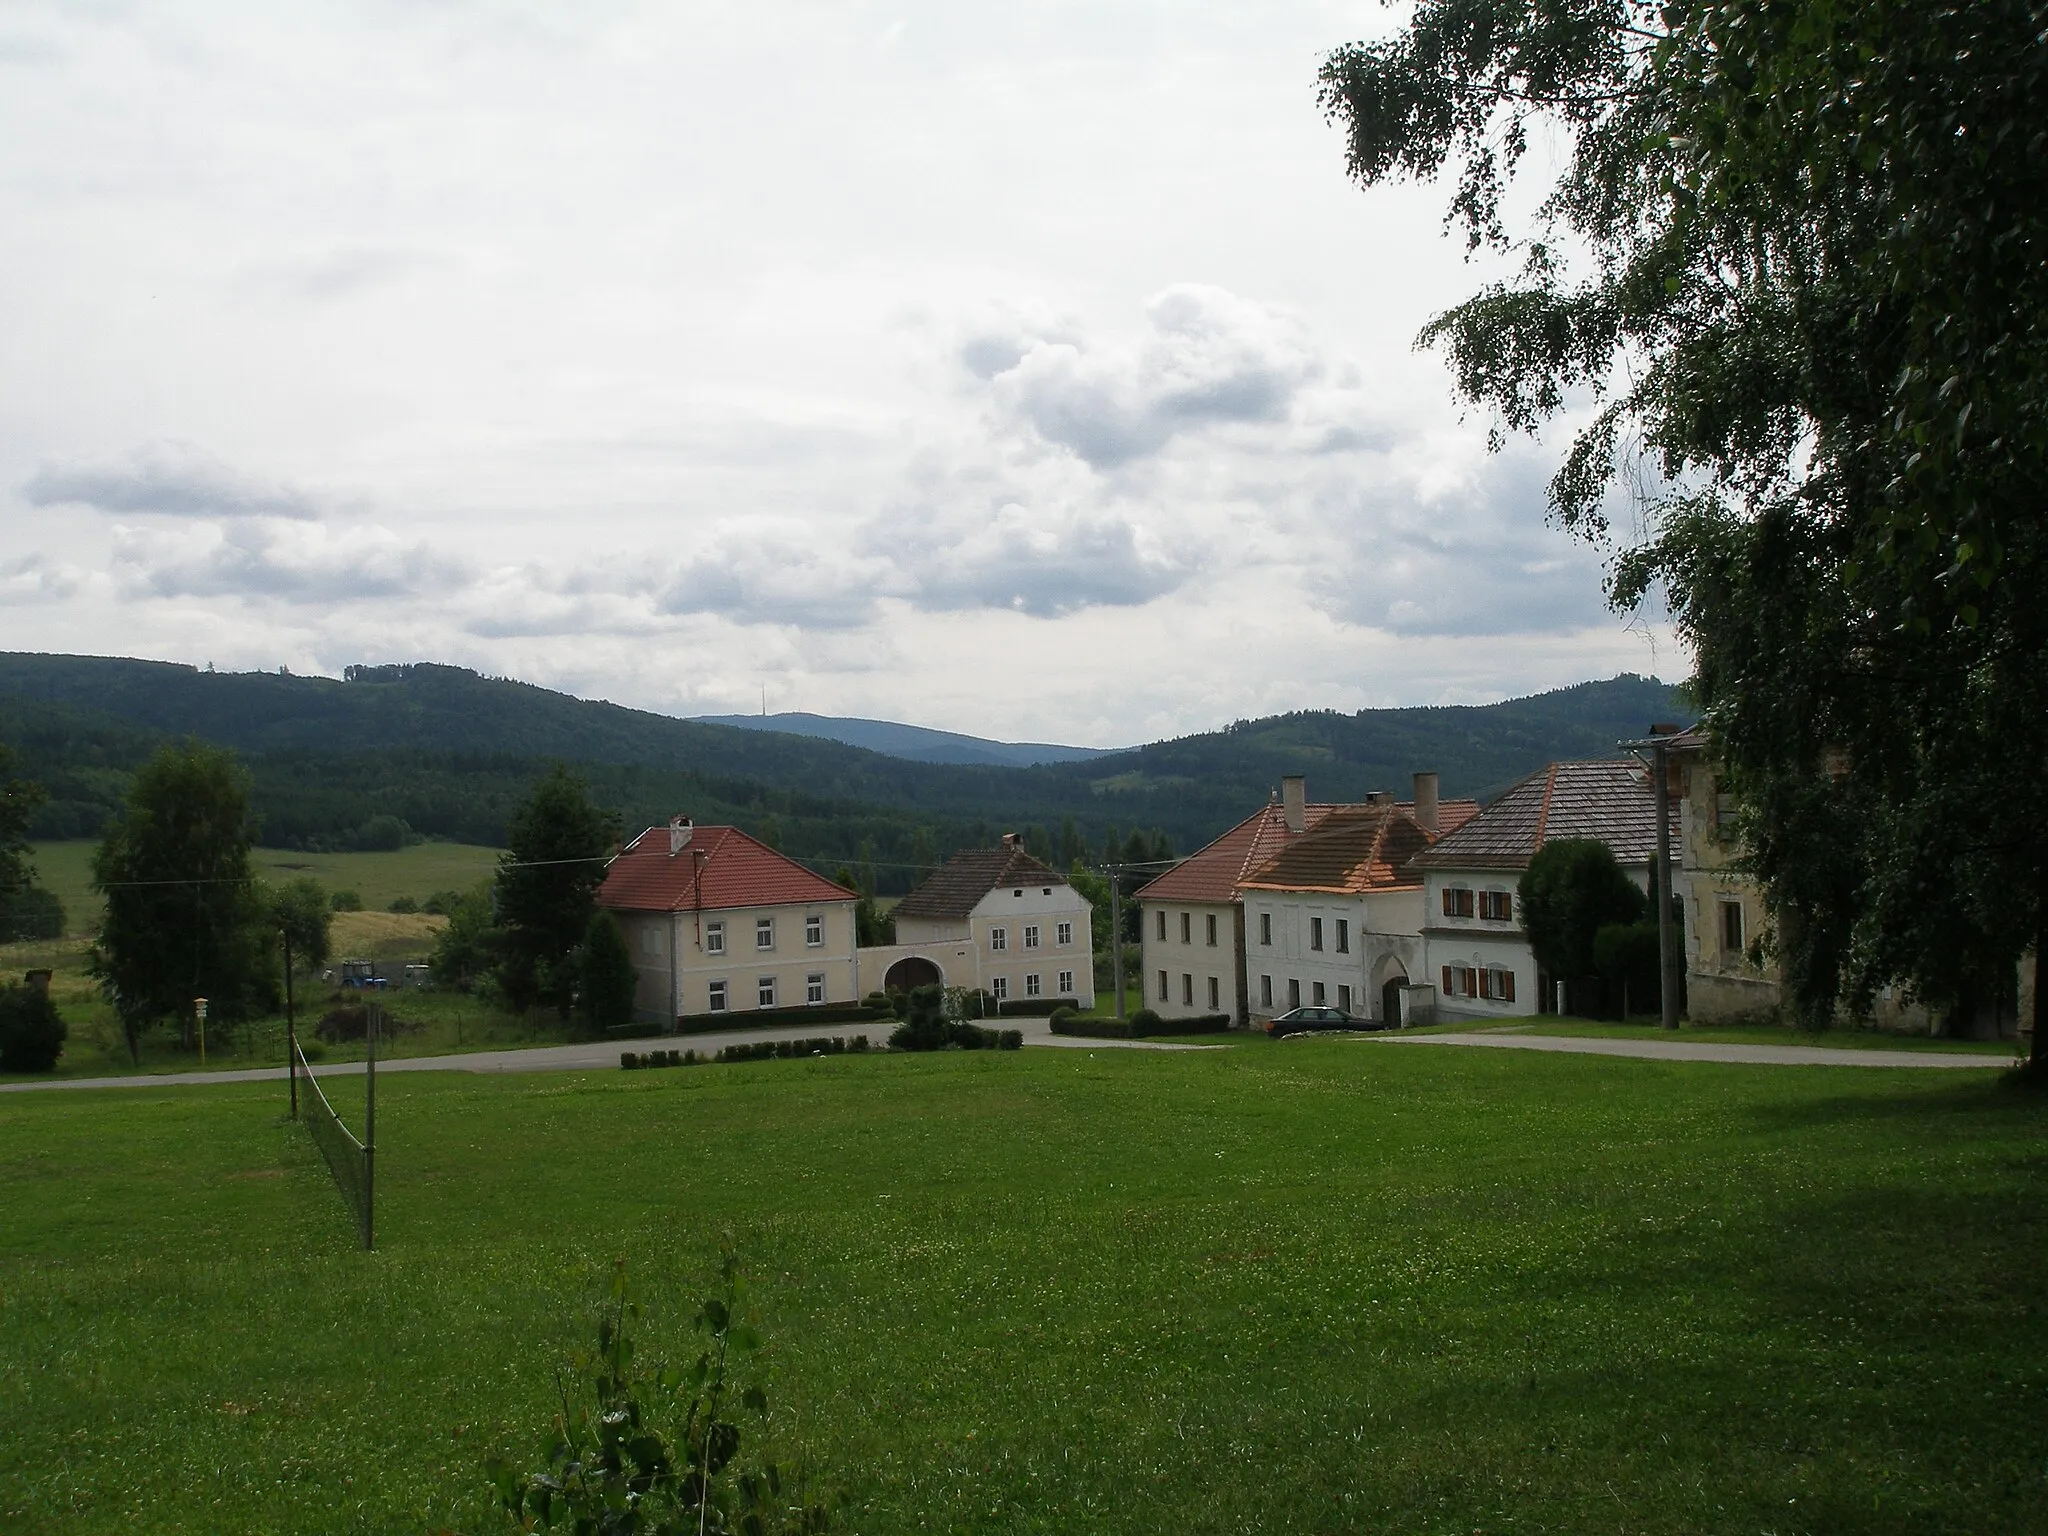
(679, 830)
(1425, 800)
(1010, 839)
(1294, 802)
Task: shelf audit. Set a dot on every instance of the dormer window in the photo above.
(1018, 892)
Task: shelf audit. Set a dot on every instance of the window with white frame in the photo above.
(1265, 928)
(764, 933)
(1265, 991)
(764, 992)
(1315, 933)
(814, 987)
(650, 940)
(1031, 985)
(1497, 984)
(999, 986)
(1343, 935)
(1497, 906)
(1031, 935)
(714, 938)
(1461, 981)
(1064, 934)
(718, 1003)
(999, 938)
(1066, 983)
(814, 930)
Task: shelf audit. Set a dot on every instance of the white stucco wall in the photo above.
(1191, 965)
(675, 966)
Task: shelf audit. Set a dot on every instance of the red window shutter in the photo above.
(1507, 986)
(1447, 983)
(1447, 901)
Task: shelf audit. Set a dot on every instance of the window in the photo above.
(1499, 985)
(650, 941)
(1724, 814)
(764, 992)
(1460, 981)
(1000, 986)
(1187, 928)
(1344, 998)
(1265, 928)
(1045, 890)
(1064, 934)
(1018, 892)
(1066, 983)
(718, 997)
(1317, 995)
(1162, 927)
(1031, 935)
(1457, 901)
(999, 938)
(1343, 935)
(814, 930)
(1731, 927)
(1187, 991)
(1497, 906)
(714, 938)
(814, 987)
(1215, 996)
(1293, 994)
(1265, 991)
(764, 933)
(1162, 986)
(1211, 921)
(1031, 985)
(1315, 933)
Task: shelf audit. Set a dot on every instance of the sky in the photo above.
(1031, 371)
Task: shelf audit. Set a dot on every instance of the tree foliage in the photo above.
(1794, 260)
(607, 981)
(184, 916)
(302, 911)
(1572, 889)
(32, 1032)
(26, 910)
(546, 887)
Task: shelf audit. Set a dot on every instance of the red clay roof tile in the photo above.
(721, 867)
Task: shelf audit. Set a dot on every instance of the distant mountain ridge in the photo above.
(451, 753)
(913, 743)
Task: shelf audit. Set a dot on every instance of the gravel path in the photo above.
(1680, 1050)
(586, 1056)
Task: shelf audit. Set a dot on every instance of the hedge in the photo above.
(1141, 1025)
(754, 1018)
(758, 1050)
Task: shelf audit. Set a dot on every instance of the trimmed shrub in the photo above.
(404, 905)
(1146, 1022)
(31, 1030)
(346, 901)
(764, 1018)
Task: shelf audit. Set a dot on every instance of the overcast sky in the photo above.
(1028, 370)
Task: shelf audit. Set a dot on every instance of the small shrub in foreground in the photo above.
(31, 1030)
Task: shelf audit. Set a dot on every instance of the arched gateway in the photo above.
(910, 973)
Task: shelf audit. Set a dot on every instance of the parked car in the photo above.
(1300, 1021)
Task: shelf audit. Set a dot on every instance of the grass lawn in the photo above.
(379, 878)
(1756, 1034)
(1307, 1290)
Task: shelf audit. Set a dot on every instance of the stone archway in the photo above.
(1393, 977)
(910, 973)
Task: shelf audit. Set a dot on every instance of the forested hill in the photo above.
(450, 752)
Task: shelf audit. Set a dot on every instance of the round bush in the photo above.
(31, 1030)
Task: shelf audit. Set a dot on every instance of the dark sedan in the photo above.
(1300, 1021)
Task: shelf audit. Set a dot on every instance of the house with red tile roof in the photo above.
(995, 919)
(1477, 949)
(719, 922)
(1193, 917)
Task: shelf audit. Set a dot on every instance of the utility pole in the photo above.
(1116, 934)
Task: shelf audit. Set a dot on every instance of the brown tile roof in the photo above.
(1357, 848)
(1610, 800)
(958, 885)
(721, 867)
(1219, 871)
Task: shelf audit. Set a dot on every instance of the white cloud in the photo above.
(175, 479)
(267, 559)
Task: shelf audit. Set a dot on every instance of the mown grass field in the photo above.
(1324, 1287)
(1734, 1034)
(379, 878)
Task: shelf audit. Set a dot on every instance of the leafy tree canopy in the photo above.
(1793, 260)
(302, 910)
(608, 980)
(1572, 889)
(547, 882)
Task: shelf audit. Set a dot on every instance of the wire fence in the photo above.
(352, 1161)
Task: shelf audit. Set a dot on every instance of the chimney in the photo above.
(1425, 801)
(1294, 801)
(679, 830)
(1010, 839)
(1378, 797)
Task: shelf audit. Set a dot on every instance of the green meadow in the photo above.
(1323, 1286)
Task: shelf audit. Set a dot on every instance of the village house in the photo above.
(1477, 950)
(1335, 918)
(719, 922)
(994, 919)
(1729, 976)
(1192, 918)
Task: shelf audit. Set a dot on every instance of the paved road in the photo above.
(586, 1056)
(1681, 1050)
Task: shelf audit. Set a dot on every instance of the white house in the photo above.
(1477, 951)
(720, 923)
(996, 919)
